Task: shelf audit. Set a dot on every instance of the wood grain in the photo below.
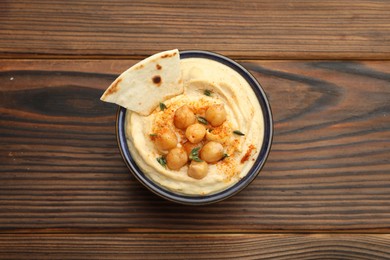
(207, 246)
(265, 29)
(324, 193)
(328, 170)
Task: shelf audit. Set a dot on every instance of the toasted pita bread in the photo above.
(142, 87)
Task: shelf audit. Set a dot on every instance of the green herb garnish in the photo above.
(207, 92)
(238, 132)
(225, 155)
(202, 120)
(162, 106)
(153, 135)
(194, 155)
(161, 160)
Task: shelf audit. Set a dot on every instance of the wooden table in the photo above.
(324, 192)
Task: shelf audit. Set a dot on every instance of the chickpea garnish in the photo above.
(195, 133)
(195, 151)
(166, 140)
(212, 152)
(184, 117)
(197, 170)
(216, 115)
(176, 158)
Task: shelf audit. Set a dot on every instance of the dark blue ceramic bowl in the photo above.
(219, 196)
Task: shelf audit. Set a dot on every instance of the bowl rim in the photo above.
(235, 188)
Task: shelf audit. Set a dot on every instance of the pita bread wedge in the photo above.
(142, 87)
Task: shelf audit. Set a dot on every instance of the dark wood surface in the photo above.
(301, 29)
(324, 192)
(229, 246)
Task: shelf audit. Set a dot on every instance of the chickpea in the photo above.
(176, 158)
(184, 117)
(195, 133)
(197, 170)
(216, 115)
(188, 147)
(166, 140)
(212, 152)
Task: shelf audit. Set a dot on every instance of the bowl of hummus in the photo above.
(204, 143)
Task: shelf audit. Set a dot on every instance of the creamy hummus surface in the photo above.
(206, 83)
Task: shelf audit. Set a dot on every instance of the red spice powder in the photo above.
(248, 153)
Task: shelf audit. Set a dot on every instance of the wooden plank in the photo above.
(328, 169)
(207, 246)
(266, 29)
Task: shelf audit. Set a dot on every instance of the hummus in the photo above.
(206, 82)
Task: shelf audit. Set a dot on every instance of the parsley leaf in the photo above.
(207, 92)
(238, 132)
(194, 155)
(162, 106)
(202, 120)
(161, 160)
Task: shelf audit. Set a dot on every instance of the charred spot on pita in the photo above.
(168, 55)
(140, 66)
(156, 80)
(158, 66)
(114, 87)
